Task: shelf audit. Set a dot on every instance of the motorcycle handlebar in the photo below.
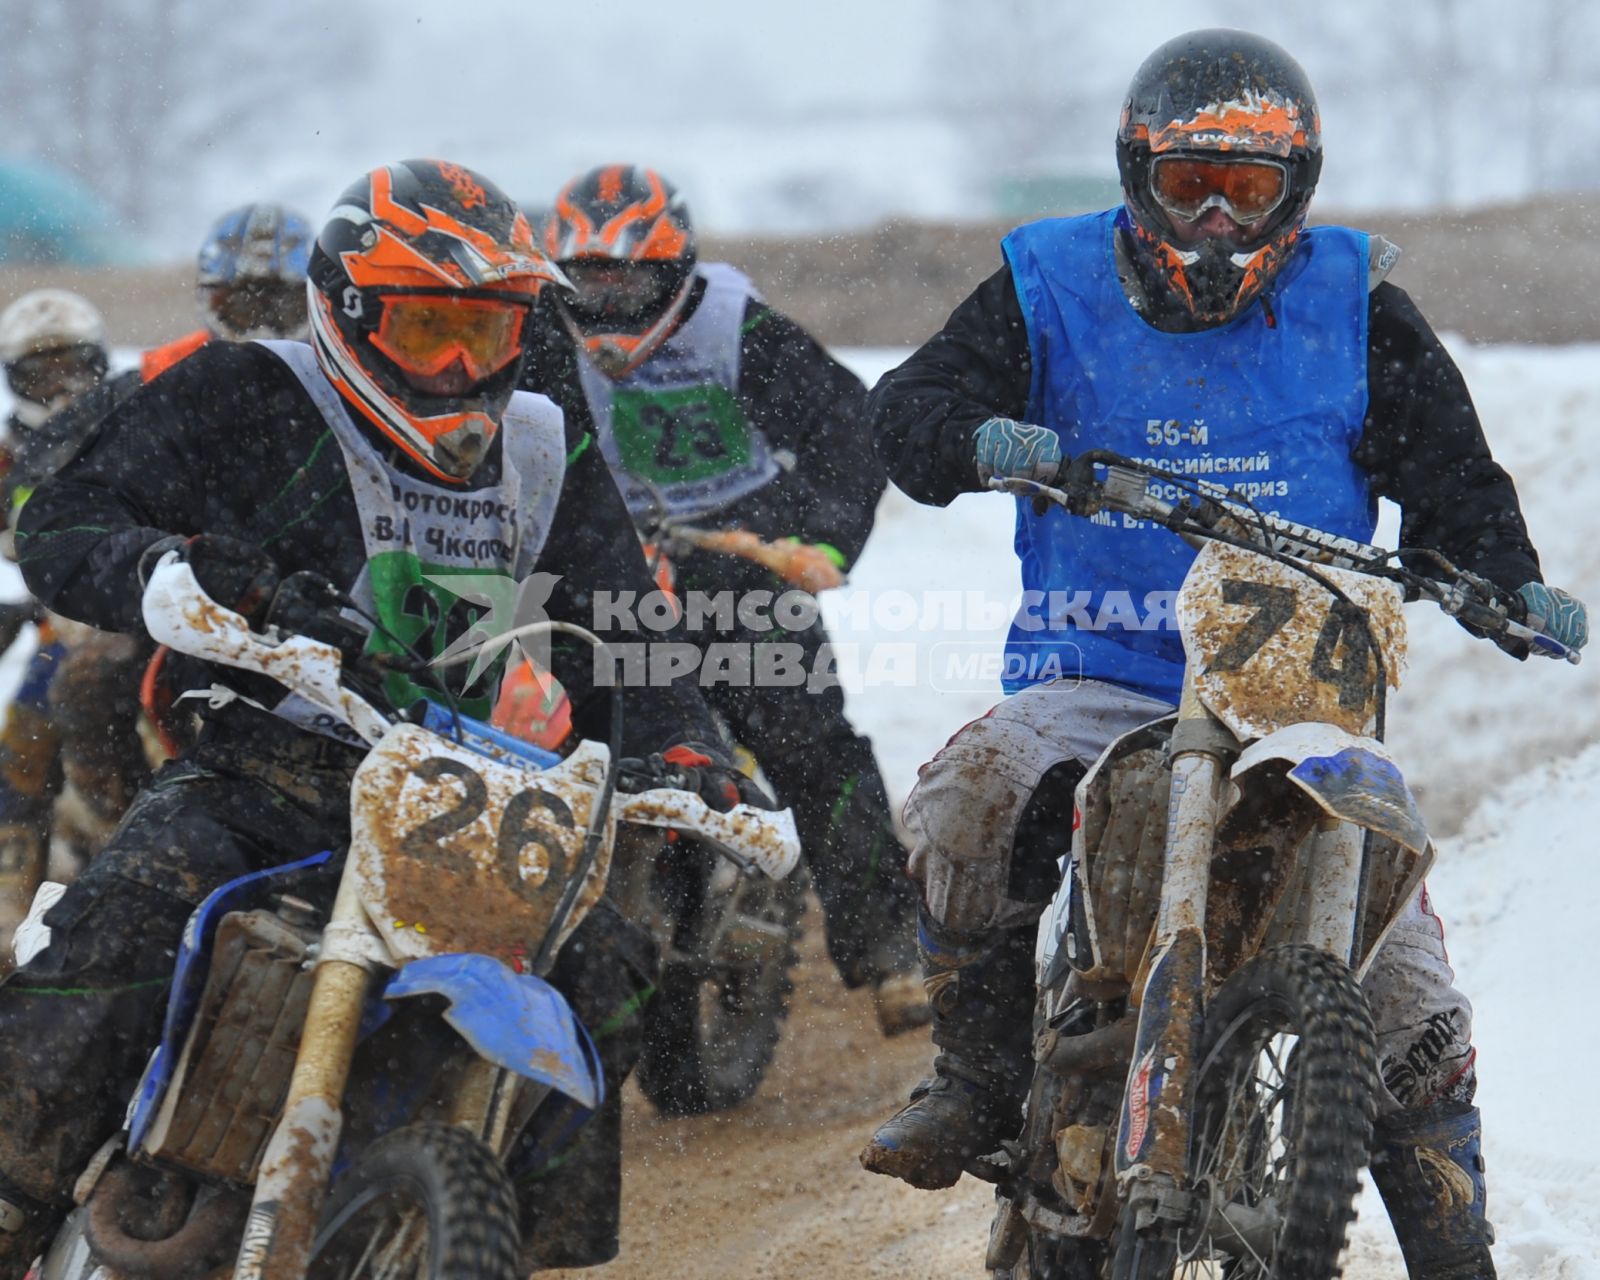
(1100, 480)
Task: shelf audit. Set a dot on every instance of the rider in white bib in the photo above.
(714, 409)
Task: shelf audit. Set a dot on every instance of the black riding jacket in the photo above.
(229, 442)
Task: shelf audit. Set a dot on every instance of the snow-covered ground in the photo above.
(1505, 756)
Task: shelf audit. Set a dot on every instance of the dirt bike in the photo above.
(1205, 1068)
(728, 940)
(726, 934)
(356, 1053)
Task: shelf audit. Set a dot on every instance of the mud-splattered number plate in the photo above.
(457, 853)
(1271, 647)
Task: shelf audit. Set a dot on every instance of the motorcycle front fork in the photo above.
(298, 1162)
(1152, 1150)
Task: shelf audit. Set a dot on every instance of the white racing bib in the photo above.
(672, 430)
(417, 532)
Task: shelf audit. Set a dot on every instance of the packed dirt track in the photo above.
(773, 1189)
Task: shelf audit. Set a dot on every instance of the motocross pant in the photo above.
(78, 1021)
(825, 771)
(74, 723)
(986, 865)
(570, 1200)
(30, 779)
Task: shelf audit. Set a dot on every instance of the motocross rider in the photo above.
(57, 367)
(250, 282)
(1201, 322)
(74, 723)
(373, 458)
(714, 409)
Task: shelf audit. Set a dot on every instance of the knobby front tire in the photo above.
(1285, 1094)
(426, 1202)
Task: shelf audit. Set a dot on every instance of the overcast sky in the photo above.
(780, 116)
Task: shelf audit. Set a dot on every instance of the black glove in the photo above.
(308, 604)
(238, 575)
(709, 773)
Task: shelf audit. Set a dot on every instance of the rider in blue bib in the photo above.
(1200, 326)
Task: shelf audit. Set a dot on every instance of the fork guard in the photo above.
(1351, 778)
(514, 1020)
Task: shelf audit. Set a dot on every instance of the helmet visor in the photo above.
(604, 289)
(426, 335)
(1246, 190)
(46, 377)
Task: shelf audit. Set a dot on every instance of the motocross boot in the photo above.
(26, 1228)
(1428, 1167)
(980, 988)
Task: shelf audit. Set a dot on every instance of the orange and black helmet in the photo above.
(421, 284)
(623, 236)
(1218, 118)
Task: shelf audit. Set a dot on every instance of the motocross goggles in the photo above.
(249, 307)
(46, 377)
(1246, 190)
(425, 334)
(605, 289)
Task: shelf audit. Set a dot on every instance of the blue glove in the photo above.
(1016, 451)
(1560, 616)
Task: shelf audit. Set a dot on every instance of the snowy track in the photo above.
(773, 1190)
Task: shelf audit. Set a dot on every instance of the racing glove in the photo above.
(1560, 616)
(308, 604)
(714, 778)
(238, 575)
(1016, 451)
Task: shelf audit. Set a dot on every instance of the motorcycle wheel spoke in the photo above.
(394, 1252)
(1243, 1146)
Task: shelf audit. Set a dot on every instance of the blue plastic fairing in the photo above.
(514, 1020)
(189, 981)
(485, 739)
(1363, 787)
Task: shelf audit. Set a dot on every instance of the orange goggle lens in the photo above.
(1246, 190)
(425, 335)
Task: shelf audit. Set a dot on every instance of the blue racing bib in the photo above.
(1272, 410)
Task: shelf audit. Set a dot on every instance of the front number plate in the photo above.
(457, 853)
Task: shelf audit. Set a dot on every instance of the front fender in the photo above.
(1351, 778)
(514, 1020)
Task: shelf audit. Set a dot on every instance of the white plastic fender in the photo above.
(1351, 777)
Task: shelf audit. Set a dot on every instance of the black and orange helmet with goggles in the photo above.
(623, 235)
(421, 285)
(1222, 120)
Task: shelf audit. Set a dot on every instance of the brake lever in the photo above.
(1476, 602)
(636, 774)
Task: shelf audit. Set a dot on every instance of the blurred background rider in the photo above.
(71, 753)
(713, 408)
(250, 282)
